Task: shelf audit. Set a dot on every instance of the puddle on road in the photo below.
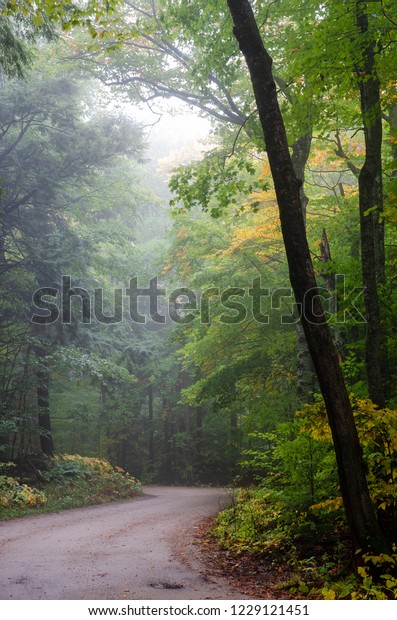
(166, 585)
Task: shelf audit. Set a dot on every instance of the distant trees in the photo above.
(55, 163)
(72, 202)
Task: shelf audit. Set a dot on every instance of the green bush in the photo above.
(253, 522)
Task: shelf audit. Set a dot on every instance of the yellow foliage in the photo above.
(350, 190)
(328, 594)
(167, 267)
(329, 505)
(265, 171)
(183, 233)
(377, 431)
(390, 214)
(100, 465)
(12, 493)
(262, 234)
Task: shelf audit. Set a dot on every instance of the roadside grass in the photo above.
(67, 481)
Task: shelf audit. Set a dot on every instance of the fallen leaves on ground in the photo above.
(252, 574)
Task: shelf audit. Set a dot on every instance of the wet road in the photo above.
(136, 550)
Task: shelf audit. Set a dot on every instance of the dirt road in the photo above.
(140, 549)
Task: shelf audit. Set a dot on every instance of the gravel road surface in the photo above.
(135, 550)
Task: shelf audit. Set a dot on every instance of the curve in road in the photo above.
(136, 550)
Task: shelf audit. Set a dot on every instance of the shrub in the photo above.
(97, 472)
(68, 481)
(14, 494)
(297, 506)
(253, 522)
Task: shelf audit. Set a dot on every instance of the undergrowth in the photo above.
(295, 515)
(66, 481)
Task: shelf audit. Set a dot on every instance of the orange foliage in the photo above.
(265, 227)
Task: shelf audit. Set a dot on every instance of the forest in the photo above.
(222, 314)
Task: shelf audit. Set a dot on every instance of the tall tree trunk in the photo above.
(365, 531)
(199, 439)
(151, 427)
(392, 120)
(43, 403)
(330, 284)
(299, 157)
(305, 369)
(328, 275)
(371, 206)
(168, 470)
(234, 442)
(43, 392)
